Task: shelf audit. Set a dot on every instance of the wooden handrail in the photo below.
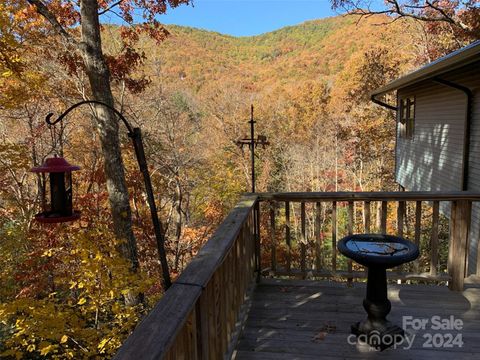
(372, 196)
(180, 306)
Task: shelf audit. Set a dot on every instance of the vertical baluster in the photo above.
(303, 241)
(287, 235)
(212, 328)
(334, 236)
(203, 337)
(178, 347)
(234, 271)
(272, 238)
(318, 236)
(367, 219)
(258, 254)
(383, 218)
(434, 239)
(418, 232)
(243, 259)
(192, 335)
(366, 216)
(230, 309)
(218, 284)
(351, 211)
(400, 217)
(226, 302)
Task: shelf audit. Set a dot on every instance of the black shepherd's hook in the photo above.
(136, 135)
(66, 112)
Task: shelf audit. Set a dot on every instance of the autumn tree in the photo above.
(78, 28)
(366, 129)
(175, 151)
(449, 24)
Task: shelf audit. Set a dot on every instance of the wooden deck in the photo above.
(201, 315)
(302, 319)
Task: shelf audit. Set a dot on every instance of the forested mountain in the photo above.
(304, 80)
(315, 50)
(62, 287)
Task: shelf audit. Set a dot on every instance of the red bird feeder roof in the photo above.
(55, 165)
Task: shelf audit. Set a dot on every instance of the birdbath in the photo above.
(377, 252)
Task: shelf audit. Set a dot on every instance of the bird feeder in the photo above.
(60, 175)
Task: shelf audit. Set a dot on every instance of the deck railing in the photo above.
(200, 315)
(323, 218)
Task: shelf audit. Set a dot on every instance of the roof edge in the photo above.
(452, 61)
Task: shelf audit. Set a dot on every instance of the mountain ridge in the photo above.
(313, 50)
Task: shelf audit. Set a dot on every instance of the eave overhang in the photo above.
(452, 61)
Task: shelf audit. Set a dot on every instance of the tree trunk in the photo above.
(99, 78)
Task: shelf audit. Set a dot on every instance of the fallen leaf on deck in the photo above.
(319, 336)
(323, 331)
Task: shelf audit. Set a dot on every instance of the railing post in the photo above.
(457, 251)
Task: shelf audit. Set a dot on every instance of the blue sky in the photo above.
(247, 17)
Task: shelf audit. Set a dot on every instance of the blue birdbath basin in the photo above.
(386, 251)
(377, 252)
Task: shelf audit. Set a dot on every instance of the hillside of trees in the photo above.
(63, 287)
(304, 80)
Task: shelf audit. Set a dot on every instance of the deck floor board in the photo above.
(301, 319)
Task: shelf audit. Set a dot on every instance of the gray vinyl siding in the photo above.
(433, 159)
(471, 78)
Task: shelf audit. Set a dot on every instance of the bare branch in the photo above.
(110, 7)
(399, 11)
(447, 17)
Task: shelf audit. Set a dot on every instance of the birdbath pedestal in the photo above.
(377, 252)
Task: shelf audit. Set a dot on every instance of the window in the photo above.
(407, 117)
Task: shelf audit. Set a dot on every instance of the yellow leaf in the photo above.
(46, 348)
(63, 339)
(125, 292)
(82, 301)
(102, 344)
(47, 253)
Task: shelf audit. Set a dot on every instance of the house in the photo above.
(438, 131)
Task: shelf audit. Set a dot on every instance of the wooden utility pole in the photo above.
(252, 144)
